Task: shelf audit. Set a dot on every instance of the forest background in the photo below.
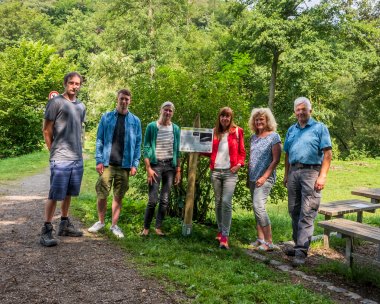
(201, 55)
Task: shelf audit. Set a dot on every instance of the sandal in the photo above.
(143, 234)
(256, 243)
(268, 247)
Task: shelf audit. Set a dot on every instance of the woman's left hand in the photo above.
(235, 169)
(260, 181)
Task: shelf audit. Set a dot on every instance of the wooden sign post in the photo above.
(187, 225)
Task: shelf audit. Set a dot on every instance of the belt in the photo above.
(165, 161)
(221, 170)
(306, 166)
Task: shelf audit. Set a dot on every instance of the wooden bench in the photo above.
(339, 208)
(351, 230)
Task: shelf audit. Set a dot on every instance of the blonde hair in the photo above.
(271, 121)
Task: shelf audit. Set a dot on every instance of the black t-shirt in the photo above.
(117, 149)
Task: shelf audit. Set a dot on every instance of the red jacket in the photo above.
(235, 147)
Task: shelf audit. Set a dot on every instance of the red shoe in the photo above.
(219, 236)
(224, 243)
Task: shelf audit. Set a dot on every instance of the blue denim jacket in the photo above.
(132, 139)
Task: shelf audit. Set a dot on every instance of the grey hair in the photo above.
(303, 100)
(167, 104)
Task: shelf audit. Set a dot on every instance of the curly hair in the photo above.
(271, 121)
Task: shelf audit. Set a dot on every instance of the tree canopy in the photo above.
(200, 54)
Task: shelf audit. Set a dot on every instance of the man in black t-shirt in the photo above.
(118, 142)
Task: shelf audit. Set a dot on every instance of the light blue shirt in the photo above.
(261, 155)
(132, 139)
(305, 145)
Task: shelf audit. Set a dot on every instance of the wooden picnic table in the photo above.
(372, 193)
(339, 208)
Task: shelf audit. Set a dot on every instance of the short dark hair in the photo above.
(70, 75)
(124, 92)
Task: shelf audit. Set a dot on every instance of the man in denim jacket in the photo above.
(118, 142)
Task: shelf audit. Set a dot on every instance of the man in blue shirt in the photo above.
(118, 142)
(307, 161)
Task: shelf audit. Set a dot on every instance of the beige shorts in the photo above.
(116, 176)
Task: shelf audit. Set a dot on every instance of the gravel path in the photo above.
(79, 270)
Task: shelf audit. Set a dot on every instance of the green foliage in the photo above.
(28, 72)
(201, 55)
(18, 21)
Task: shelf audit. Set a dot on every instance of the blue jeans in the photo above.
(224, 182)
(303, 204)
(259, 199)
(165, 174)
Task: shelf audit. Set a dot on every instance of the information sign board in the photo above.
(196, 140)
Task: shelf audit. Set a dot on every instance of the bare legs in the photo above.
(51, 206)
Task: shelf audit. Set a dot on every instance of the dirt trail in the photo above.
(79, 270)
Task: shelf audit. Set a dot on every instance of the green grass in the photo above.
(195, 264)
(26, 165)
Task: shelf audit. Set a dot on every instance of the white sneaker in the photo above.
(116, 231)
(96, 227)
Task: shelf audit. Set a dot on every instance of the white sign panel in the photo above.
(196, 140)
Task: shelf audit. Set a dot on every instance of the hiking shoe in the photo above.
(47, 239)
(218, 236)
(96, 227)
(224, 243)
(290, 252)
(117, 232)
(299, 260)
(66, 228)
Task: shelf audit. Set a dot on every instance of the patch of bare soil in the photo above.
(89, 269)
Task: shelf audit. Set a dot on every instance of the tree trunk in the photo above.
(152, 58)
(272, 87)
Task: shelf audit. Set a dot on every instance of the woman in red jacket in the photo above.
(228, 155)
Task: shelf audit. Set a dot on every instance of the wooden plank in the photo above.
(353, 229)
(373, 193)
(346, 206)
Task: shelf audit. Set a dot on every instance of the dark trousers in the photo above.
(165, 177)
(303, 204)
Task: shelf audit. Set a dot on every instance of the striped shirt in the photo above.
(164, 143)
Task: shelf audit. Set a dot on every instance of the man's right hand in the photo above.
(151, 176)
(100, 168)
(286, 181)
